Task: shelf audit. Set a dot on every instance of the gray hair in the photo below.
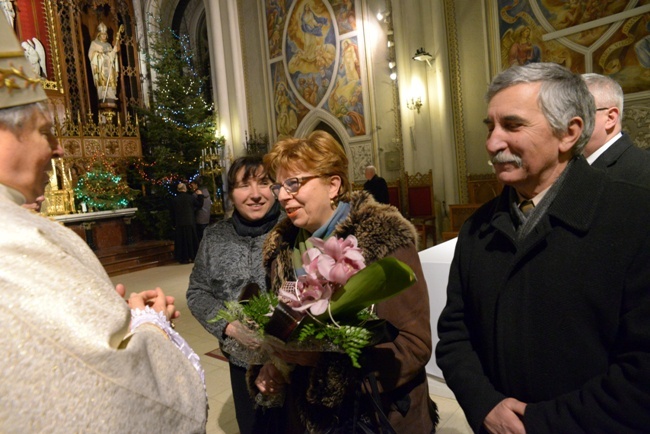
(562, 96)
(14, 119)
(606, 90)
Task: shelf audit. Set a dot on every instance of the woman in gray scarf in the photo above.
(228, 264)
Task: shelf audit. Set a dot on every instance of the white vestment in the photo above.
(66, 366)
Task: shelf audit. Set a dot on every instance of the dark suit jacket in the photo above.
(378, 188)
(624, 160)
(561, 320)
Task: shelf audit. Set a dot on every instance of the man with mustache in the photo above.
(547, 322)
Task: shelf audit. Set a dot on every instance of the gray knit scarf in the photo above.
(526, 224)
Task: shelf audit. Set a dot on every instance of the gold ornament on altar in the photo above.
(59, 193)
(212, 166)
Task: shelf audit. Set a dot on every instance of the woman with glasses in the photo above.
(228, 265)
(313, 188)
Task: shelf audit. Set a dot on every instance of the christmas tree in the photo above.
(179, 123)
(174, 129)
(101, 189)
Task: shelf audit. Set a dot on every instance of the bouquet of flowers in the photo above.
(329, 308)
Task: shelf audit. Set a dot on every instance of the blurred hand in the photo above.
(270, 380)
(157, 300)
(120, 289)
(36, 205)
(246, 337)
(506, 417)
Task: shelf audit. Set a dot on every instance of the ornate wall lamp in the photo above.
(414, 104)
(421, 55)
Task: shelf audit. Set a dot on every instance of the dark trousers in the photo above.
(251, 420)
(199, 231)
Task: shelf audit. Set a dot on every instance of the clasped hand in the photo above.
(154, 298)
(243, 335)
(270, 380)
(506, 417)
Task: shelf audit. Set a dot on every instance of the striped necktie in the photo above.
(526, 207)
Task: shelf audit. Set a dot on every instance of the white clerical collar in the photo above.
(593, 157)
(11, 194)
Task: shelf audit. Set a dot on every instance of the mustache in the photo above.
(502, 157)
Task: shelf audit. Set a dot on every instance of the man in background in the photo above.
(610, 149)
(203, 213)
(547, 323)
(376, 185)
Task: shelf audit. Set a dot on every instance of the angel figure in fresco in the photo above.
(287, 120)
(520, 48)
(104, 63)
(9, 11)
(351, 61)
(35, 54)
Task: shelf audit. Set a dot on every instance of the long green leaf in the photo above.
(377, 282)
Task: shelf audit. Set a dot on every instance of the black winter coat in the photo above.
(562, 321)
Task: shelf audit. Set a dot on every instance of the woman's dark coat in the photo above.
(318, 395)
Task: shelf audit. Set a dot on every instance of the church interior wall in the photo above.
(474, 71)
(386, 137)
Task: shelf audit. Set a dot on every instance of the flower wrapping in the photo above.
(329, 308)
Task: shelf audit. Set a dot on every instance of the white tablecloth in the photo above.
(436, 262)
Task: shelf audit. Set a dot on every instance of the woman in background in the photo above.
(229, 261)
(313, 188)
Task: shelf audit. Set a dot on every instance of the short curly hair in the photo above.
(319, 154)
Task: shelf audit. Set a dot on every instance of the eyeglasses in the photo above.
(602, 108)
(291, 185)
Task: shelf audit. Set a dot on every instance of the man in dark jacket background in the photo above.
(183, 207)
(547, 322)
(609, 148)
(376, 185)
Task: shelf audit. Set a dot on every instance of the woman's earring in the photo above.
(333, 203)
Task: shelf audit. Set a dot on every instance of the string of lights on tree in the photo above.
(179, 87)
(180, 122)
(102, 189)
